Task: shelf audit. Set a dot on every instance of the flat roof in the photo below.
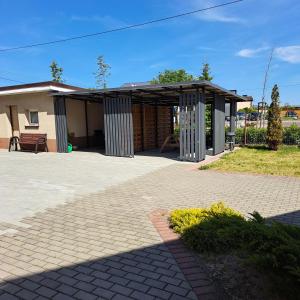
(37, 87)
(39, 84)
(157, 93)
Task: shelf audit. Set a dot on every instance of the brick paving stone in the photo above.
(46, 292)
(82, 295)
(26, 295)
(7, 296)
(66, 289)
(105, 242)
(142, 287)
(103, 293)
(61, 296)
(139, 295)
(121, 289)
(159, 293)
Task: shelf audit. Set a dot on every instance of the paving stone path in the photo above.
(104, 246)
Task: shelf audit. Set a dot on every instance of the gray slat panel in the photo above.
(61, 124)
(192, 127)
(219, 125)
(118, 126)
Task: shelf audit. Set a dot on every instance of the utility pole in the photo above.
(263, 103)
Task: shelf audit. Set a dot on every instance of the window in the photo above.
(34, 118)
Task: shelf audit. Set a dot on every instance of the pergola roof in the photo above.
(157, 93)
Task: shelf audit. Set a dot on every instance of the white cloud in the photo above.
(107, 21)
(158, 65)
(251, 52)
(289, 54)
(219, 14)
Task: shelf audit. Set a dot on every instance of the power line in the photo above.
(12, 80)
(119, 28)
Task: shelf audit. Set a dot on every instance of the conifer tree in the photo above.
(274, 131)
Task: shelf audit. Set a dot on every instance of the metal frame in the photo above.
(191, 97)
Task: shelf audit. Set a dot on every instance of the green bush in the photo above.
(273, 247)
(258, 135)
(291, 134)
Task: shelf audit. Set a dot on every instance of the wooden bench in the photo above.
(30, 142)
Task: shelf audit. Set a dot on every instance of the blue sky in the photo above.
(236, 41)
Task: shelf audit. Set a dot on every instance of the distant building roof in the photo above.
(132, 84)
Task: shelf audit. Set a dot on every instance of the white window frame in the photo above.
(33, 111)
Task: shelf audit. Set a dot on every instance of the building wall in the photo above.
(145, 131)
(241, 105)
(76, 122)
(42, 102)
(284, 110)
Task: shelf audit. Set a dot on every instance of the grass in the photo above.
(260, 160)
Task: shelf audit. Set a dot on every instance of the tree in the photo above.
(103, 71)
(274, 131)
(206, 73)
(172, 76)
(56, 72)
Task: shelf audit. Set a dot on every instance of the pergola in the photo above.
(190, 97)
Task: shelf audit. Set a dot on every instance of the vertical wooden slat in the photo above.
(118, 126)
(61, 124)
(184, 124)
(181, 126)
(192, 128)
(105, 122)
(188, 129)
(131, 149)
(122, 121)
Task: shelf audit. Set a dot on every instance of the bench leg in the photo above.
(36, 148)
(46, 148)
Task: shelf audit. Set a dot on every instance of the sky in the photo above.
(235, 40)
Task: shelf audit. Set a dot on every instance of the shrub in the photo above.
(273, 247)
(258, 136)
(274, 131)
(291, 134)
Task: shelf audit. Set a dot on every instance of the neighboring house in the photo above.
(123, 120)
(29, 108)
(242, 105)
(290, 110)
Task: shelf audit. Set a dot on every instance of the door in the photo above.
(118, 126)
(14, 120)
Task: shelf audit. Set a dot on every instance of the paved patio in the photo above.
(33, 183)
(101, 244)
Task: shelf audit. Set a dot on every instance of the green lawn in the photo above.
(260, 160)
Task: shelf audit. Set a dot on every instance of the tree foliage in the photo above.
(274, 130)
(206, 73)
(56, 72)
(172, 76)
(103, 71)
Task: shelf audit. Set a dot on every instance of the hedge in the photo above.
(291, 135)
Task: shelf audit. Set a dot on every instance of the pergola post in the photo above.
(200, 127)
(233, 108)
(61, 124)
(218, 118)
